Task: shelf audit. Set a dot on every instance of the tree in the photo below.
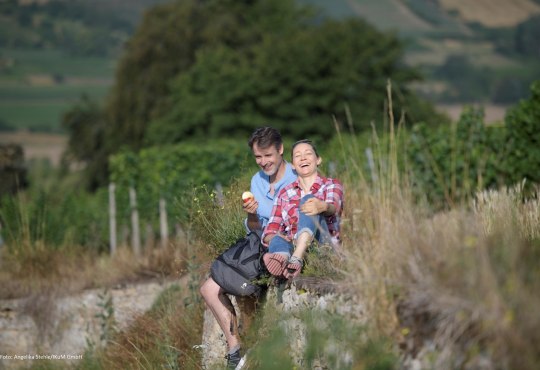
(166, 45)
(522, 124)
(85, 124)
(294, 82)
(527, 36)
(206, 68)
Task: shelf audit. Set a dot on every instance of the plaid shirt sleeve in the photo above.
(334, 195)
(276, 219)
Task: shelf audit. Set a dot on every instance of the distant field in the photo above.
(37, 87)
(493, 13)
(435, 52)
(492, 113)
(390, 15)
(37, 146)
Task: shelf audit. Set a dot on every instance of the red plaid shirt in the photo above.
(284, 217)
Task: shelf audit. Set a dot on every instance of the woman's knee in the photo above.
(280, 245)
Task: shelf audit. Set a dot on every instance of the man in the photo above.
(267, 147)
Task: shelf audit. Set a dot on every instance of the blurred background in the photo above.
(124, 123)
(59, 56)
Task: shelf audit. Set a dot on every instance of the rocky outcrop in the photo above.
(303, 294)
(49, 326)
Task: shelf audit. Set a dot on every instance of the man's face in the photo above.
(268, 159)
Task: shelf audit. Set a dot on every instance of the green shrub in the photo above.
(523, 139)
(449, 163)
(56, 219)
(173, 172)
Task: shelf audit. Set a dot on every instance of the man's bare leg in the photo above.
(223, 310)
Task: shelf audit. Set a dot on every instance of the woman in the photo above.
(309, 207)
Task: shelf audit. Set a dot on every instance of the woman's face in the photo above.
(305, 160)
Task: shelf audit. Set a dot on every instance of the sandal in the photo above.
(294, 267)
(275, 263)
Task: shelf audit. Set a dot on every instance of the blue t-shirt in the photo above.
(260, 187)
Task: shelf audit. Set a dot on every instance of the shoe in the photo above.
(233, 359)
(275, 263)
(294, 267)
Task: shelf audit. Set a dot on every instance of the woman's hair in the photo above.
(264, 137)
(305, 141)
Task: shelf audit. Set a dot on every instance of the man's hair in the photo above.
(264, 137)
(305, 141)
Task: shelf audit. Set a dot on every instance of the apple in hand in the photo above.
(247, 196)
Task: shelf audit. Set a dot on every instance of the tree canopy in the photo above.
(294, 83)
(212, 68)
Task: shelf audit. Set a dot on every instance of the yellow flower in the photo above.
(471, 241)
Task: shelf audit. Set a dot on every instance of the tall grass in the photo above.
(217, 218)
(41, 253)
(460, 282)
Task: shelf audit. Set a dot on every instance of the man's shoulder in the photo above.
(258, 177)
(290, 174)
(290, 171)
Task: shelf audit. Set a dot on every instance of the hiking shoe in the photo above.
(294, 267)
(275, 263)
(233, 359)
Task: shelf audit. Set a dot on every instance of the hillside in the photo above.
(53, 51)
(469, 51)
(493, 13)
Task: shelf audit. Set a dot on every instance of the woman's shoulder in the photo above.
(330, 181)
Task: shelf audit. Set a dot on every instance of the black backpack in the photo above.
(236, 268)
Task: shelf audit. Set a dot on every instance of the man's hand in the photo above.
(251, 206)
(314, 206)
(269, 237)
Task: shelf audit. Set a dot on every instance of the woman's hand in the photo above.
(314, 206)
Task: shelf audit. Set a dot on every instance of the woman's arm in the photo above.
(332, 203)
(274, 224)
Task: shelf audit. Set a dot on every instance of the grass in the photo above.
(461, 278)
(39, 252)
(161, 338)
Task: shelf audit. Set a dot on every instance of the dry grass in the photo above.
(39, 268)
(161, 338)
(464, 280)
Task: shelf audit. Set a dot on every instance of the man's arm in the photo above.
(253, 222)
